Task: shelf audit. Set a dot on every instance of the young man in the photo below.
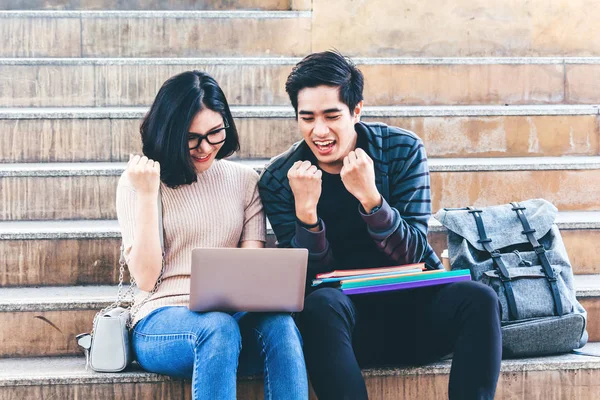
(357, 195)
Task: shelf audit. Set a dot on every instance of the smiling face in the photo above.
(327, 126)
(205, 122)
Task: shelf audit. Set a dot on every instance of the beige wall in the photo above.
(457, 28)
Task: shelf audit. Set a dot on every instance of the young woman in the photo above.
(207, 202)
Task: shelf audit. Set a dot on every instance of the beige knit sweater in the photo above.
(221, 209)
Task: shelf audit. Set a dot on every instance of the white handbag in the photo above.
(107, 346)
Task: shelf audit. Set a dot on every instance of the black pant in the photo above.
(343, 334)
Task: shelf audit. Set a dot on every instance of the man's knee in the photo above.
(327, 305)
(481, 298)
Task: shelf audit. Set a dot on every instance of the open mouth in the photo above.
(325, 146)
(201, 159)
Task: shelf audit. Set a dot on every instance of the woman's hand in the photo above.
(144, 175)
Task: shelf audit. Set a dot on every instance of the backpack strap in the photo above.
(498, 263)
(541, 253)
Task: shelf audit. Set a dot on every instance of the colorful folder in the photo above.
(408, 282)
(369, 271)
(317, 282)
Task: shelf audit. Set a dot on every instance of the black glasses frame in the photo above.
(206, 136)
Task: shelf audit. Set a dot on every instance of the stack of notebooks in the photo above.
(373, 280)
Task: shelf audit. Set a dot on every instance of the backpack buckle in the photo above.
(539, 250)
(495, 254)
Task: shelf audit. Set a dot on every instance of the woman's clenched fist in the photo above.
(144, 175)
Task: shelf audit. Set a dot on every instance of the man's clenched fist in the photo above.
(358, 176)
(305, 182)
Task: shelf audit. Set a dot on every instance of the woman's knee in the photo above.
(280, 326)
(219, 330)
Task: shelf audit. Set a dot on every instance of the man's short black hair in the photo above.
(165, 128)
(328, 68)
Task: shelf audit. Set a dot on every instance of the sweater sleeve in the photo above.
(126, 197)
(399, 227)
(254, 216)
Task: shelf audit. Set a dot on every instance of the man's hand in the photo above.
(144, 175)
(358, 176)
(305, 181)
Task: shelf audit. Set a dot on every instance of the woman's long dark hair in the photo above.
(165, 128)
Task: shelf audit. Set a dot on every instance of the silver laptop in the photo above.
(233, 279)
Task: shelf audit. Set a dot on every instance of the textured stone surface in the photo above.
(260, 81)
(582, 82)
(58, 230)
(87, 252)
(567, 190)
(60, 262)
(502, 136)
(79, 135)
(77, 298)
(154, 33)
(145, 5)
(435, 165)
(464, 28)
(87, 191)
(592, 306)
(137, 85)
(565, 376)
(301, 5)
(189, 36)
(48, 333)
(40, 37)
(579, 244)
(83, 197)
(56, 298)
(463, 84)
(44, 321)
(54, 140)
(46, 85)
(150, 391)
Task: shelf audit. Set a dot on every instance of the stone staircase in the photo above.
(508, 119)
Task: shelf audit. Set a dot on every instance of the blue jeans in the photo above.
(206, 348)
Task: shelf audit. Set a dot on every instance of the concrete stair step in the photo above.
(87, 252)
(565, 376)
(87, 190)
(109, 82)
(462, 27)
(144, 5)
(81, 134)
(44, 321)
(155, 33)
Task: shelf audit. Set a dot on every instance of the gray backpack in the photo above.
(517, 250)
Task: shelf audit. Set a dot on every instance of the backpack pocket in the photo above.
(543, 336)
(532, 292)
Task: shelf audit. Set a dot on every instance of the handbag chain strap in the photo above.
(128, 296)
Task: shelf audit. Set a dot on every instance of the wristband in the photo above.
(374, 210)
(309, 226)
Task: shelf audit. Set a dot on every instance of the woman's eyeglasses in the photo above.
(214, 137)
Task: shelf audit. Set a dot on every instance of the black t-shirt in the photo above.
(346, 232)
